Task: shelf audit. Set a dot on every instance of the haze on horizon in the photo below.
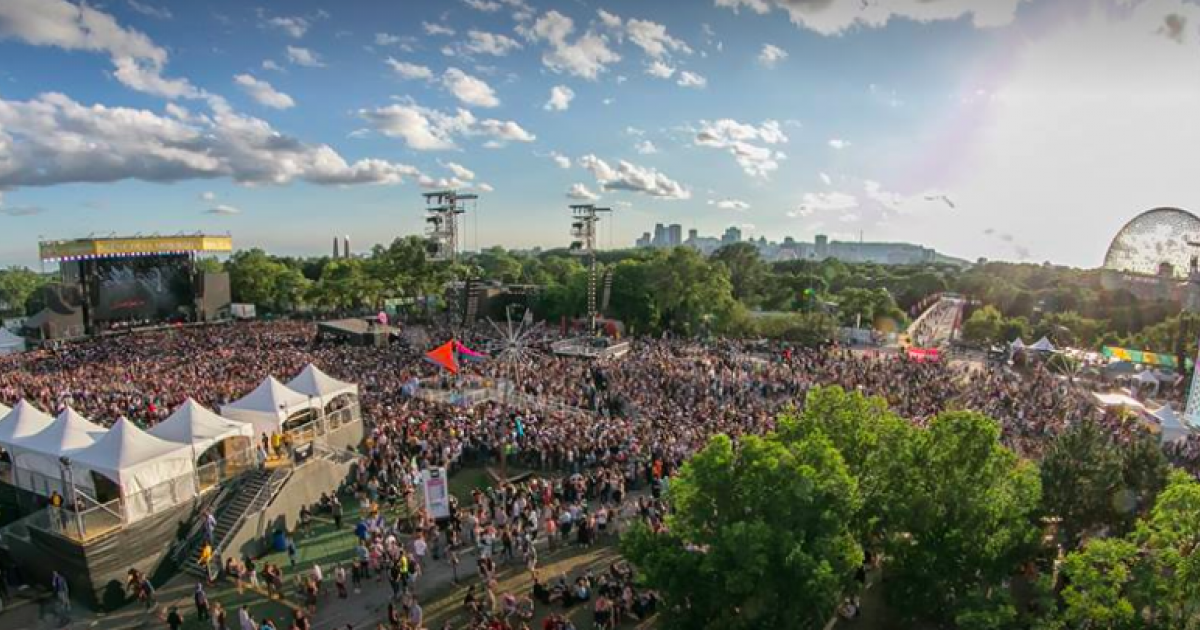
(1008, 129)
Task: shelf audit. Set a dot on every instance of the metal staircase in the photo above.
(253, 495)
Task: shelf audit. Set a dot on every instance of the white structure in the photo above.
(1042, 345)
(321, 386)
(10, 343)
(1171, 424)
(4, 410)
(21, 422)
(194, 425)
(268, 407)
(36, 458)
(150, 474)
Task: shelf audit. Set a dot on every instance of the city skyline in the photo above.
(1014, 130)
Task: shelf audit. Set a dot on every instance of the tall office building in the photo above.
(731, 235)
(660, 235)
(693, 235)
(675, 235)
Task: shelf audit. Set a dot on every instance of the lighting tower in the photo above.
(583, 229)
(441, 217)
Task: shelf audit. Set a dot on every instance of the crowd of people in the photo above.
(615, 433)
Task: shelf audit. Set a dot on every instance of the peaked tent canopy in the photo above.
(4, 410)
(1017, 344)
(22, 421)
(193, 425)
(1173, 427)
(267, 407)
(1042, 345)
(313, 382)
(36, 457)
(10, 343)
(139, 462)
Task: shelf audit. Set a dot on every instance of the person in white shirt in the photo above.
(244, 619)
(419, 548)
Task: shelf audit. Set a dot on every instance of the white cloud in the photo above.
(264, 93)
(653, 38)
(561, 160)
(483, 43)
(645, 147)
(437, 29)
(461, 171)
(150, 10)
(838, 143)
(828, 181)
(610, 20)
(54, 140)
(580, 192)
(660, 69)
(831, 18)
(771, 55)
(560, 98)
(487, 6)
(426, 129)
(484, 187)
(745, 142)
(139, 62)
(633, 178)
(208, 196)
(387, 39)
(586, 57)
(269, 64)
(304, 57)
(295, 27)
(223, 210)
(736, 205)
(691, 79)
(833, 201)
(468, 89)
(406, 70)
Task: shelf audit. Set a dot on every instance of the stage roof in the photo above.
(120, 247)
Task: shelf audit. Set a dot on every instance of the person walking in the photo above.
(174, 619)
(201, 599)
(62, 593)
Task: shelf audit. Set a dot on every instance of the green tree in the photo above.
(967, 519)
(983, 326)
(1081, 475)
(689, 292)
(747, 271)
(759, 537)
(1100, 578)
(18, 286)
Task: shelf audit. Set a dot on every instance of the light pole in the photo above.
(69, 479)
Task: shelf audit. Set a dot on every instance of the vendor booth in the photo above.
(220, 447)
(10, 343)
(1171, 425)
(38, 459)
(272, 407)
(323, 387)
(145, 473)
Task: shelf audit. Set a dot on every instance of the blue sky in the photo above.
(1013, 129)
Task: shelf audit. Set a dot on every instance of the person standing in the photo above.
(201, 599)
(245, 620)
(174, 619)
(62, 592)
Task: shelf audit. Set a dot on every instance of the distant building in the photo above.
(674, 235)
(732, 235)
(660, 236)
(644, 241)
(693, 235)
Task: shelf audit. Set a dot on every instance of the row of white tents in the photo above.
(157, 468)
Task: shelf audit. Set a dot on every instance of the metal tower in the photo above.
(583, 229)
(441, 217)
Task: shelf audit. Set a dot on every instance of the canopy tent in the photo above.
(1146, 377)
(21, 422)
(268, 407)
(313, 382)
(1017, 344)
(1111, 401)
(1171, 424)
(10, 343)
(152, 474)
(4, 410)
(1152, 359)
(36, 457)
(1042, 345)
(197, 427)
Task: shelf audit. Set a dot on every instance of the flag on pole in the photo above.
(466, 353)
(444, 356)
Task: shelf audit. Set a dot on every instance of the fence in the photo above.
(502, 392)
(324, 424)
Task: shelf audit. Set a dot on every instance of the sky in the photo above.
(1026, 130)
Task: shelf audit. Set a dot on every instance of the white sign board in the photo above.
(435, 486)
(242, 311)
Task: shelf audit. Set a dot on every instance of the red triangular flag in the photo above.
(443, 355)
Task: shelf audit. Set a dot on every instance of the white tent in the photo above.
(1042, 345)
(1109, 401)
(39, 453)
(313, 382)
(21, 422)
(10, 343)
(267, 407)
(4, 410)
(1171, 424)
(1017, 344)
(199, 428)
(153, 474)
